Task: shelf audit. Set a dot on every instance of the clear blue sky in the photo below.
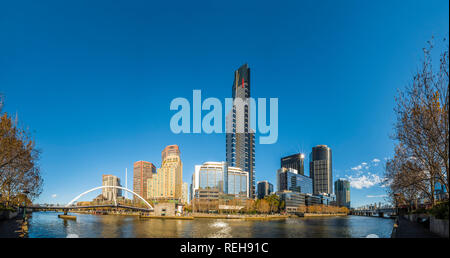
(93, 80)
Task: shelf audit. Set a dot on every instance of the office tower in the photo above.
(288, 179)
(220, 177)
(142, 171)
(295, 161)
(185, 193)
(167, 183)
(320, 169)
(342, 191)
(110, 193)
(264, 188)
(240, 138)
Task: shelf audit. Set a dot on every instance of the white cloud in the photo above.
(54, 195)
(376, 196)
(375, 160)
(359, 167)
(364, 181)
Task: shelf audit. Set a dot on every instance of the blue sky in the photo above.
(93, 80)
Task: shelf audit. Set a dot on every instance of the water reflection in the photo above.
(45, 224)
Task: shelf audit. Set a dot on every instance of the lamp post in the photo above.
(25, 203)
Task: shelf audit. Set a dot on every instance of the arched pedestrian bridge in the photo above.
(70, 205)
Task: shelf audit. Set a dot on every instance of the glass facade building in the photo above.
(342, 190)
(288, 179)
(263, 188)
(292, 200)
(240, 138)
(320, 169)
(295, 161)
(219, 176)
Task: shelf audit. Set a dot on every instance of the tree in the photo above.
(421, 131)
(19, 168)
(263, 206)
(302, 208)
(249, 206)
(274, 202)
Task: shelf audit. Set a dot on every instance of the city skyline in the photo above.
(96, 106)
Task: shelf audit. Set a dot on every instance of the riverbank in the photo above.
(323, 215)
(240, 216)
(168, 217)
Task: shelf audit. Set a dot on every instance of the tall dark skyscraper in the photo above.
(240, 138)
(295, 161)
(320, 169)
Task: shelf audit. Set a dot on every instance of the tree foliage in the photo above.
(19, 168)
(421, 131)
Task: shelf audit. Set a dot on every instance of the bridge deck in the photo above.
(88, 207)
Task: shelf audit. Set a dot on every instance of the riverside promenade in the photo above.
(408, 229)
(11, 228)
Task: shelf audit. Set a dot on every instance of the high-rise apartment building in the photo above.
(342, 191)
(320, 169)
(263, 188)
(240, 138)
(111, 193)
(288, 179)
(142, 171)
(167, 183)
(295, 161)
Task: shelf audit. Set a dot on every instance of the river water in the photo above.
(48, 225)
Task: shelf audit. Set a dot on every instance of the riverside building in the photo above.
(292, 200)
(218, 177)
(320, 169)
(264, 188)
(289, 179)
(342, 190)
(166, 184)
(142, 171)
(240, 138)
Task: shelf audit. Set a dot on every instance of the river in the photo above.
(48, 225)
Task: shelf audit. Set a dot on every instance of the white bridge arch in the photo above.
(110, 186)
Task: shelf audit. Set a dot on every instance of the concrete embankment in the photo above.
(323, 215)
(244, 217)
(210, 216)
(168, 217)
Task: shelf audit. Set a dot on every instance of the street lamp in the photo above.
(25, 203)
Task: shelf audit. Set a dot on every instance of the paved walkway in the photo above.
(408, 229)
(10, 228)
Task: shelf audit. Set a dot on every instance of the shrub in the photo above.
(440, 211)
